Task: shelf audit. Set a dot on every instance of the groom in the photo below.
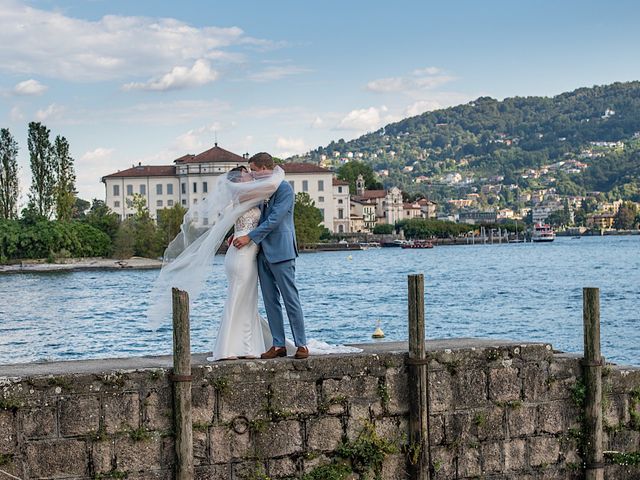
(276, 262)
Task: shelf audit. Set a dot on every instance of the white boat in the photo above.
(543, 232)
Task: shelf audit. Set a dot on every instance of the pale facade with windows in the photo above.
(192, 178)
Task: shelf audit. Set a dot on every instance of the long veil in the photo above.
(188, 259)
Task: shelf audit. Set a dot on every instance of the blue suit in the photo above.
(276, 236)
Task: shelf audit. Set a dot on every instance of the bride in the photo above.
(188, 260)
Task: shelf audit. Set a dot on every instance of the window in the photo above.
(322, 212)
(205, 187)
(195, 187)
(116, 204)
(321, 185)
(293, 185)
(159, 203)
(169, 188)
(184, 202)
(339, 189)
(341, 213)
(129, 189)
(159, 189)
(184, 188)
(169, 203)
(116, 190)
(340, 228)
(143, 189)
(305, 185)
(195, 200)
(340, 201)
(320, 199)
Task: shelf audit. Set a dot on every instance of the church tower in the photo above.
(360, 185)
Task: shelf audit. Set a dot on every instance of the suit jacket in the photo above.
(276, 233)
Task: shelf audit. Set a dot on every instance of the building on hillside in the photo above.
(342, 215)
(475, 217)
(388, 203)
(411, 210)
(601, 221)
(429, 209)
(192, 177)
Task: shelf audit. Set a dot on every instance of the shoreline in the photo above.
(79, 264)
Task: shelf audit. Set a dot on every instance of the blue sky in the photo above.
(149, 81)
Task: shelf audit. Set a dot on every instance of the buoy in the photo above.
(378, 333)
(349, 257)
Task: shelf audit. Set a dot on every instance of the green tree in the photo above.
(625, 219)
(384, 228)
(307, 219)
(169, 223)
(138, 235)
(102, 218)
(9, 187)
(349, 172)
(65, 179)
(80, 207)
(42, 195)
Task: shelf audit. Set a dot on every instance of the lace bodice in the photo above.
(247, 222)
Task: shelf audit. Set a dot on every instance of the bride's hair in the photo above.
(235, 174)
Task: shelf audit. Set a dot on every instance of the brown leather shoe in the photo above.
(274, 352)
(302, 353)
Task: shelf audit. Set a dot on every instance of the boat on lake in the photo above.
(543, 232)
(418, 244)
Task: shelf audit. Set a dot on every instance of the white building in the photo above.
(191, 178)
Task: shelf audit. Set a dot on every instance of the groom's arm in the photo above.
(281, 206)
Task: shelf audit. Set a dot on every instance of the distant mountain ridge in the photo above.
(487, 137)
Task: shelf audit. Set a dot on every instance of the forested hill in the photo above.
(490, 137)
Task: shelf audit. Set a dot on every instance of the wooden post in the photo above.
(417, 373)
(181, 379)
(592, 368)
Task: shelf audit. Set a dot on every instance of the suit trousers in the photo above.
(276, 280)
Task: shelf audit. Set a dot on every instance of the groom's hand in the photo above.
(241, 241)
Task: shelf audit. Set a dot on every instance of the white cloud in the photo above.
(277, 72)
(35, 41)
(363, 120)
(318, 122)
(52, 112)
(420, 79)
(97, 155)
(178, 78)
(422, 106)
(290, 146)
(29, 87)
(16, 114)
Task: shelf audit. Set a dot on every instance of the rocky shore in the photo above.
(77, 264)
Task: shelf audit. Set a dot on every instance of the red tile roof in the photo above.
(369, 194)
(303, 168)
(340, 182)
(411, 206)
(215, 154)
(145, 171)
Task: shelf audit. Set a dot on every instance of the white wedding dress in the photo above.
(243, 332)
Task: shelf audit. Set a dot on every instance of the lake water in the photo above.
(524, 292)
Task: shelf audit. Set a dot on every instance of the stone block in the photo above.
(443, 460)
(521, 421)
(543, 451)
(57, 458)
(246, 399)
(515, 452)
(436, 429)
(212, 472)
(200, 447)
(226, 444)
(457, 427)
(504, 384)
(308, 464)
(157, 411)
(167, 452)
(102, 456)
(203, 403)
(294, 397)
(492, 459)
(471, 387)
(361, 412)
(535, 382)
(393, 429)
(397, 384)
(394, 467)
(121, 412)
(489, 424)
(624, 441)
(615, 409)
(353, 389)
(249, 470)
(355, 425)
(324, 433)
(283, 468)
(440, 391)
(469, 462)
(8, 437)
(79, 415)
(38, 422)
(278, 439)
(551, 417)
(138, 456)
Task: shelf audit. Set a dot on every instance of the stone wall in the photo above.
(497, 410)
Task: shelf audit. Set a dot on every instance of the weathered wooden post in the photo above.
(592, 368)
(181, 379)
(417, 373)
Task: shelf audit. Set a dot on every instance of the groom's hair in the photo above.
(262, 159)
